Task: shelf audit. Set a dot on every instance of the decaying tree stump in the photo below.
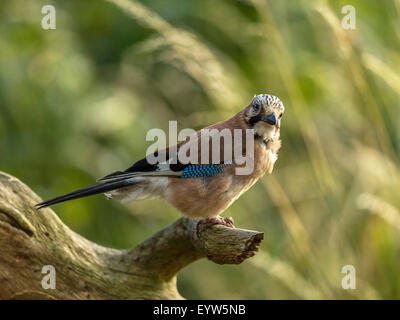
(31, 239)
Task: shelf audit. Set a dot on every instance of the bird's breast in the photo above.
(209, 196)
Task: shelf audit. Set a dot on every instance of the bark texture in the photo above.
(31, 239)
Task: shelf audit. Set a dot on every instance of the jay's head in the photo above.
(264, 114)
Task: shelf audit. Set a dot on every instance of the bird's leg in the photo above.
(208, 222)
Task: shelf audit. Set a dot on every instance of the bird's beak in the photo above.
(271, 119)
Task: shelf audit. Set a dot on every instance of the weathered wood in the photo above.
(30, 239)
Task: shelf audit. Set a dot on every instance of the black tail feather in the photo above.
(88, 191)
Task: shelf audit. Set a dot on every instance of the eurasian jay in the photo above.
(197, 188)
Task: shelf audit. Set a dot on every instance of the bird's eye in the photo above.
(256, 108)
(281, 115)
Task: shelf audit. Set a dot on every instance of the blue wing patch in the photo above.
(202, 170)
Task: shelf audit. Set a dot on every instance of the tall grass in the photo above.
(332, 199)
(338, 128)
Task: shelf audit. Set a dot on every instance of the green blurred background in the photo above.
(76, 103)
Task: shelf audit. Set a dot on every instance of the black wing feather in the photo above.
(144, 166)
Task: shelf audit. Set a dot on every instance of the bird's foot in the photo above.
(208, 222)
(228, 222)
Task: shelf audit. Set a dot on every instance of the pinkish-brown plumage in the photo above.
(209, 197)
(202, 194)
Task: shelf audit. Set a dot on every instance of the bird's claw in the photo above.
(208, 222)
(229, 222)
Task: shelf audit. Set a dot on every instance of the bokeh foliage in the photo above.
(76, 103)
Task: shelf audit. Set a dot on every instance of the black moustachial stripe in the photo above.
(255, 119)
